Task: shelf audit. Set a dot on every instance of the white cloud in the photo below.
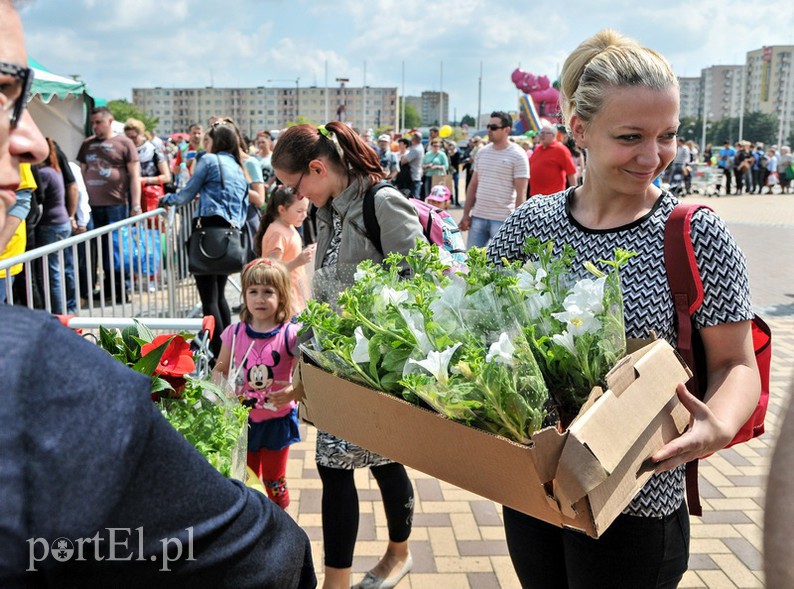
(119, 44)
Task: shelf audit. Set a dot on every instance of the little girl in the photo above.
(260, 351)
(278, 239)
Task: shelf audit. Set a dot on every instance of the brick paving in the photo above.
(458, 538)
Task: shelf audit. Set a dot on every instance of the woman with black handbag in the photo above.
(217, 247)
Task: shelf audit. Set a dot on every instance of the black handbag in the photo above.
(216, 250)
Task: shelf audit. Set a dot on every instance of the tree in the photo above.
(468, 120)
(300, 120)
(412, 118)
(123, 109)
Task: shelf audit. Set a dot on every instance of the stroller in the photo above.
(678, 182)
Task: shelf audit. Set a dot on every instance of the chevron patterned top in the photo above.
(647, 298)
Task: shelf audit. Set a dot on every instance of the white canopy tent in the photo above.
(59, 107)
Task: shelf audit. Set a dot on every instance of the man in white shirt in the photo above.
(414, 159)
(498, 184)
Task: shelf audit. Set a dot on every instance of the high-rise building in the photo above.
(721, 91)
(691, 103)
(769, 87)
(431, 113)
(255, 109)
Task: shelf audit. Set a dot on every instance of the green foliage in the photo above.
(123, 109)
(468, 120)
(211, 422)
(412, 118)
(301, 120)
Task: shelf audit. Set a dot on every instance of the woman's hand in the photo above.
(283, 396)
(706, 435)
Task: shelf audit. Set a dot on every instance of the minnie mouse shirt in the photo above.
(270, 360)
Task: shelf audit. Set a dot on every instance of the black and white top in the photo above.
(647, 299)
(150, 157)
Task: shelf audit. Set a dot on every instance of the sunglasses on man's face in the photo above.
(17, 92)
(495, 127)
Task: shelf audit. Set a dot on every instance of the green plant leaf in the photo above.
(148, 363)
(144, 332)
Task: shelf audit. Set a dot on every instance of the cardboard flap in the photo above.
(615, 423)
(621, 376)
(578, 472)
(297, 382)
(548, 444)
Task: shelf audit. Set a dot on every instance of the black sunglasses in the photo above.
(496, 127)
(17, 95)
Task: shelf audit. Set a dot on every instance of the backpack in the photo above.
(438, 225)
(687, 289)
(762, 161)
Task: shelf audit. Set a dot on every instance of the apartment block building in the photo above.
(721, 87)
(769, 86)
(691, 103)
(262, 107)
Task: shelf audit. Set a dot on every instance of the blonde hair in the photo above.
(135, 125)
(267, 272)
(604, 61)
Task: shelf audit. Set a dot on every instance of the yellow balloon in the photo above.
(445, 131)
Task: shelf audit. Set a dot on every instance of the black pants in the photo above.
(340, 509)
(211, 289)
(634, 553)
(728, 175)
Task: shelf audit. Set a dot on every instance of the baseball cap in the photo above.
(384, 137)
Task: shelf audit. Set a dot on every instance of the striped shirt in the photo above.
(496, 170)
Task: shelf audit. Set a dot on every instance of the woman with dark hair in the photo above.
(333, 168)
(55, 225)
(220, 182)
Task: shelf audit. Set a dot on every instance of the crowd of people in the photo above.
(591, 186)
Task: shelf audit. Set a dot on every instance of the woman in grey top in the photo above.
(333, 168)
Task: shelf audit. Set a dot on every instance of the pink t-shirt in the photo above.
(286, 240)
(270, 359)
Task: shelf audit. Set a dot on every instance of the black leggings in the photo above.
(634, 553)
(211, 289)
(340, 509)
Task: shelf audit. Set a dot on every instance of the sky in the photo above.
(117, 45)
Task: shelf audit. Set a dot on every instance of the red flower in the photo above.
(176, 361)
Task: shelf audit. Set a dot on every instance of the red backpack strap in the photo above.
(686, 287)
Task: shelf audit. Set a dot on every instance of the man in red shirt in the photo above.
(550, 164)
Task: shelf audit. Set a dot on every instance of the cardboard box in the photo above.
(581, 478)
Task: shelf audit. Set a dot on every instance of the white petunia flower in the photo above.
(437, 363)
(531, 283)
(415, 322)
(501, 351)
(565, 339)
(587, 294)
(578, 321)
(536, 303)
(361, 351)
(390, 296)
(361, 275)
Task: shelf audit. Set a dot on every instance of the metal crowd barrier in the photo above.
(145, 273)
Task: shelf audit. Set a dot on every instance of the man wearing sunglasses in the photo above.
(498, 185)
(98, 490)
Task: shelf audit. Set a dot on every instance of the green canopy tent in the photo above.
(60, 108)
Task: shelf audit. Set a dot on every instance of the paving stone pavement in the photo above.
(458, 537)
